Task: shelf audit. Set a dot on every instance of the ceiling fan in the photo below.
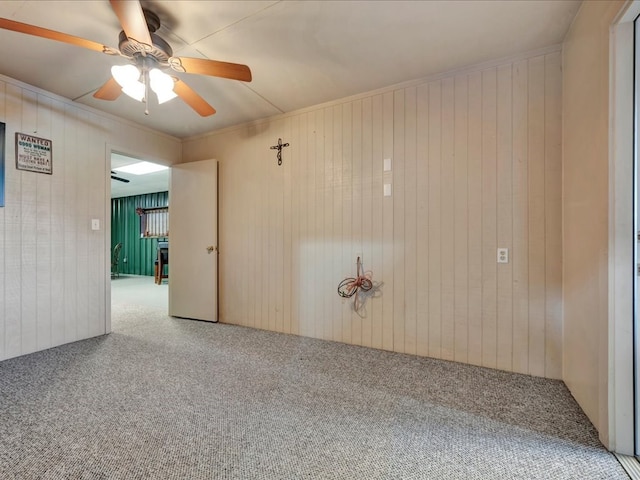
(120, 179)
(148, 55)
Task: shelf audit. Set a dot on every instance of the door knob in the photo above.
(211, 248)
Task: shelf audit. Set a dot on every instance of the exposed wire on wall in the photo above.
(349, 287)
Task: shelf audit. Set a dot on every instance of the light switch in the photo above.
(387, 164)
(95, 224)
(387, 189)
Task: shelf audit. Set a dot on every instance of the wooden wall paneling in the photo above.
(232, 286)
(254, 246)
(520, 250)
(435, 219)
(375, 305)
(279, 231)
(422, 218)
(71, 200)
(229, 309)
(99, 245)
(255, 282)
(356, 212)
(325, 225)
(410, 223)
(58, 246)
(278, 223)
(367, 214)
(325, 219)
(13, 227)
(82, 223)
(489, 202)
(287, 233)
(254, 202)
(338, 222)
(304, 222)
(296, 158)
(316, 275)
(347, 226)
(399, 248)
(28, 217)
(261, 239)
(3, 268)
(461, 218)
(261, 141)
(536, 216)
(505, 222)
(475, 218)
(271, 275)
(463, 182)
(59, 288)
(447, 220)
(387, 226)
(125, 227)
(306, 319)
(553, 215)
(234, 306)
(96, 199)
(281, 225)
(308, 293)
(43, 233)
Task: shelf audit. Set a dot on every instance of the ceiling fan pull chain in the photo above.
(145, 73)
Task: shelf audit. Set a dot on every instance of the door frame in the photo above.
(620, 405)
(109, 149)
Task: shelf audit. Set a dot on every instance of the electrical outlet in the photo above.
(503, 255)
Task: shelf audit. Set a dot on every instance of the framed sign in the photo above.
(33, 154)
(2, 130)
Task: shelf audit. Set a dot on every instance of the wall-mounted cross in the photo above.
(279, 147)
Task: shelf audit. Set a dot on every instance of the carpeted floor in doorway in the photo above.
(165, 398)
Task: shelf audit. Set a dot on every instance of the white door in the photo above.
(193, 241)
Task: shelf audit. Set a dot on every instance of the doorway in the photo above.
(139, 226)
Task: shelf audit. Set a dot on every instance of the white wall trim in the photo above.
(621, 238)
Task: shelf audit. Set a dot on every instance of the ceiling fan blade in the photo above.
(120, 179)
(191, 98)
(214, 68)
(52, 35)
(131, 17)
(109, 91)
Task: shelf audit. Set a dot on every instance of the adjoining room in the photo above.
(139, 231)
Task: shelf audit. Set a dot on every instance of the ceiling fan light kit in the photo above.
(128, 77)
(149, 55)
(162, 85)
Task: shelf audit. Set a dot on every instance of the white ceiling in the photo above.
(138, 184)
(301, 53)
